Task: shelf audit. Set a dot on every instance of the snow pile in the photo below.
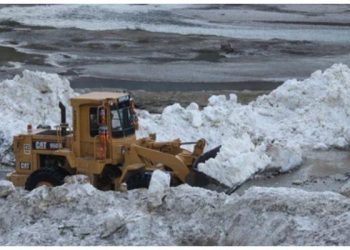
(30, 98)
(270, 132)
(79, 214)
(314, 112)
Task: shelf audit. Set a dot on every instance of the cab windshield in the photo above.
(122, 120)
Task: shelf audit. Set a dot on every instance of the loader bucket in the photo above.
(199, 179)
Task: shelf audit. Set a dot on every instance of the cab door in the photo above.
(88, 130)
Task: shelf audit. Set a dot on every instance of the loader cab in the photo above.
(106, 118)
(121, 120)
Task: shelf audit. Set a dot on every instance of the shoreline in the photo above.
(156, 101)
(90, 82)
(159, 61)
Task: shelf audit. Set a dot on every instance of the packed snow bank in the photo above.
(272, 132)
(79, 214)
(30, 98)
(313, 113)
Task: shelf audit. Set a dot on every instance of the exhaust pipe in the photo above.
(64, 124)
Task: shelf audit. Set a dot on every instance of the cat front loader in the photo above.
(102, 145)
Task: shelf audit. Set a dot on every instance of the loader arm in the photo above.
(174, 162)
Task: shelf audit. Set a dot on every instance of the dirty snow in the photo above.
(271, 132)
(79, 214)
(30, 98)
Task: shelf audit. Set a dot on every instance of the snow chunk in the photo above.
(76, 179)
(285, 157)
(44, 195)
(112, 222)
(159, 184)
(345, 190)
(194, 115)
(6, 188)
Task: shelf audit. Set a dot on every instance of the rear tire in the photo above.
(45, 175)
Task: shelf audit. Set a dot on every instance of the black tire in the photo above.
(62, 172)
(139, 180)
(52, 176)
(109, 174)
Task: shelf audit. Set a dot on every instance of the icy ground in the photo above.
(79, 214)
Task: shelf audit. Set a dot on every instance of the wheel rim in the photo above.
(44, 183)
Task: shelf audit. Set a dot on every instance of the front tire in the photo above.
(139, 180)
(50, 177)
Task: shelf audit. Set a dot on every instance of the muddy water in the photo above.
(320, 171)
(175, 49)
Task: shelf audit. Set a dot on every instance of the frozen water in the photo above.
(185, 19)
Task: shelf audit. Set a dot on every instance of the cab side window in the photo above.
(116, 124)
(93, 122)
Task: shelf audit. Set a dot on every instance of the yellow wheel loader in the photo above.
(103, 146)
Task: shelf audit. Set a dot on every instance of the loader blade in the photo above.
(199, 179)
